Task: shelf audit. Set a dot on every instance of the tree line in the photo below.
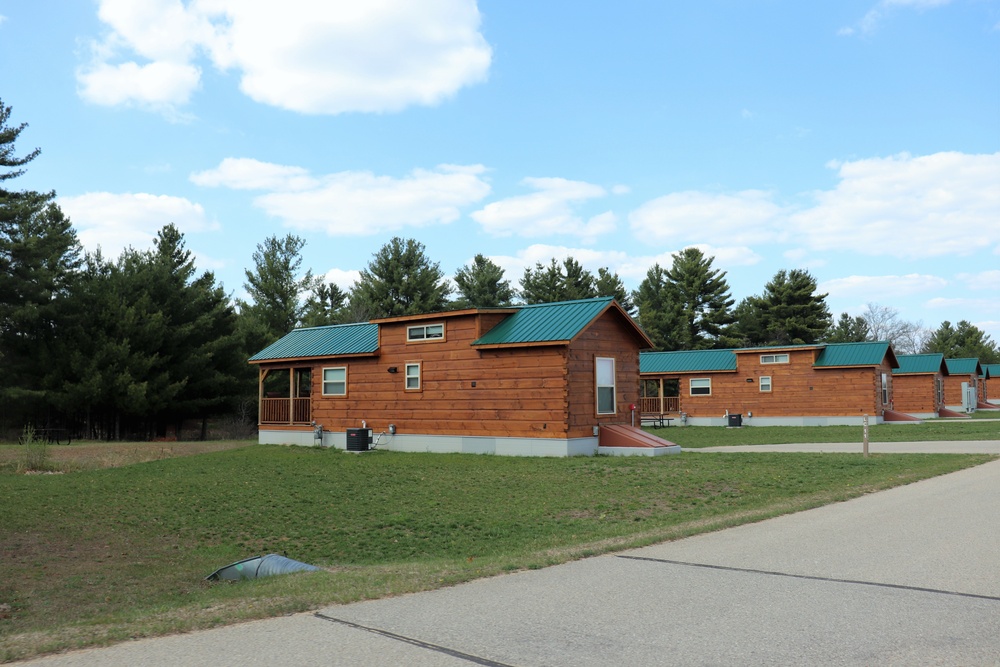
(128, 347)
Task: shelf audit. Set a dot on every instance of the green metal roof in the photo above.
(330, 341)
(911, 364)
(855, 354)
(686, 361)
(991, 370)
(964, 366)
(546, 322)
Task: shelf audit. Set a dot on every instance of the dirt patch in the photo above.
(96, 455)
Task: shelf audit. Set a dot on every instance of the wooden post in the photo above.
(865, 435)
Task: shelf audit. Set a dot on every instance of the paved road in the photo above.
(907, 576)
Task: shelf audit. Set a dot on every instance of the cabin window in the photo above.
(412, 377)
(425, 332)
(765, 383)
(885, 389)
(605, 369)
(940, 391)
(335, 381)
(701, 386)
(774, 358)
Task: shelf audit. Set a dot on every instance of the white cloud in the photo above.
(114, 222)
(311, 56)
(547, 212)
(740, 219)
(353, 203)
(250, 174)
(342, 279)
(984, 280)
(908, 207)
(881, 288)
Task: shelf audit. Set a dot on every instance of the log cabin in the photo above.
(991, 384)
(918, 385)
(820, 384)
(555, 379)
(962, 385)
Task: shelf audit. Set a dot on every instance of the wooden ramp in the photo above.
(622, 440)
(945, 413)
(893, 416)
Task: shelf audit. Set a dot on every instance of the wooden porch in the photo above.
(284, 396)
(655, 407)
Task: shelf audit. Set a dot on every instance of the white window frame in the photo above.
(707, 385)
(765, 383)
(779, 358)
(600, 382)
(885, 389)
(425, 333)
(408, 375)
(326, 382)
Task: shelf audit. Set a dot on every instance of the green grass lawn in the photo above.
(96, 556)
(931, 430)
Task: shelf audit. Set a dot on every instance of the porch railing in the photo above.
(658, 405)
(285, 411)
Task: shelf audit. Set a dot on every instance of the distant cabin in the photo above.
(918, 385)
(535, 380)
(962, 386)
(991, 384)
(821, 384)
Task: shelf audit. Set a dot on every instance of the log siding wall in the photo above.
(916, 393)
(544, 391)
(798, 388)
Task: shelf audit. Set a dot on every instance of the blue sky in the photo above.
(857, 139)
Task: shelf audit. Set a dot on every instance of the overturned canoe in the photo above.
(259, 566)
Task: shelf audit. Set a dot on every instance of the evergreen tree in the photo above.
(963, 341)
(555, 282)
(848, 330)
(8, 137)
(703, 297)
(400, 280)
(325, 306)
(39, 259)
(659, 310)
(276, 291)
(609, 284)
(788, 313)
(481, 284)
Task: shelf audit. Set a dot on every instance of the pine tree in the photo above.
(848, 330)
(400, 280)
(788, 313)
(325, 306)
(963, 341)
(703, 296)
(481, 284)
(609, 284)
(566, 282)
(276, 291)
(659, 310)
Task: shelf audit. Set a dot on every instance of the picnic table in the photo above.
(656, 419)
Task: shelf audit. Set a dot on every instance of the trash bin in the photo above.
(735, 421)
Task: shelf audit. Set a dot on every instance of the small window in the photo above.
(765, 383)
(885, 389)
(605, 372)
(424, 333)
(774, 358)
(413, 377)
(335, 381)
(701, 386)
